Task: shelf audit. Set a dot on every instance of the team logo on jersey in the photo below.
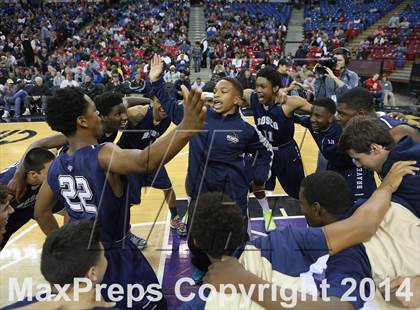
(69, 168)
(232, 138)
(13, 136)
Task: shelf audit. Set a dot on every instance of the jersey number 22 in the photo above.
(76, 191)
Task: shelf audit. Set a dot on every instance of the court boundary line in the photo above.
(165, 245)
(20, 235)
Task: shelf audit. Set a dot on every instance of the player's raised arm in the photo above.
(17, 184)
(120, 161)
(292, 103)
(165, 96)
(362, 225)
(45, 202)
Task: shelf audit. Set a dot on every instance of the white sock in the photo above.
(264, 204)
(188, 200)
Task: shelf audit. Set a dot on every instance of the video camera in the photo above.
(325, 63)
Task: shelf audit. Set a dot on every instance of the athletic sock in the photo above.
(264, 204)
(174, 212)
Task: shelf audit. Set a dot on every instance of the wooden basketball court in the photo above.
(20, 258)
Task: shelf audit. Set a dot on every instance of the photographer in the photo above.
(332, 76)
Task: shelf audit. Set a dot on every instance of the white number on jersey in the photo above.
(76, 191)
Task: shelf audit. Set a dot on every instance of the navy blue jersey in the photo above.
(24, 209)
(215, 161)
(108, 138)
(409, 190)
(144, 133)
(28, 200)
(80, 184)
(361, 181)
(272, 122)
(390, 122)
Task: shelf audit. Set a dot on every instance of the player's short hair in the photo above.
(36, 159)
(63, 109)
(106, 101)
(272, 75)
(236, 85)
(217, 225)
(70, 252)
(327, 103)
(4, 193)
(358, 98)
(329, 189)
(361, 132)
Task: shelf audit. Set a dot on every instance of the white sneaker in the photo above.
(27, 112)
(5, 114)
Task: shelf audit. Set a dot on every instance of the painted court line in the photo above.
(20, 235)
(279, 217)
(165, 245)
(258, 233)
(147, 224)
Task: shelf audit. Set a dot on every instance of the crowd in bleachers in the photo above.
(397, 42)
(245, 34)
(110, 53)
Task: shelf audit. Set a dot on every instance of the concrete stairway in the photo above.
(294, 31)
(197, 32)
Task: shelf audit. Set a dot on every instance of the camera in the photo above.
(326, 63)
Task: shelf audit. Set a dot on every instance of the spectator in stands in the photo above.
(379, 40)
(172, 75)
(286, 78)
(247, 80)
(138, 85)
(387, 93)
(335, 83)
(11, 95)
(374, 86)
(196, 54)
(404, 24)
(69, 82)
(394, 21)
(115, 85)
(300, 54)
(218, 72)
(37, 95)
(182, 57)
(183, 80)
(199, 84)
(58, 79)
(91, 89)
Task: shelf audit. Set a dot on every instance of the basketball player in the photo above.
(5, 209)
(215, 161)
(113, 116)
(145, 125)
(326, 132)
(359, 101)
(276, 123)
(88, 179)
(326, 201)
(371, 146)
(73, 251)
(35, 166)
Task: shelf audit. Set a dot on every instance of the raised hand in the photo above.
(194, 110)
(156, 68)
(395, 175)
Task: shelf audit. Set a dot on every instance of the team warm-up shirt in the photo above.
(215, 161)
(408, 193)
(296, 257)
(361, 181)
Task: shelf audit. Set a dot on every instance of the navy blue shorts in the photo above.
(158, 179)
(127, 265)
(287, 167)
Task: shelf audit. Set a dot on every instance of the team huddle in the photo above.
(358, 228)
